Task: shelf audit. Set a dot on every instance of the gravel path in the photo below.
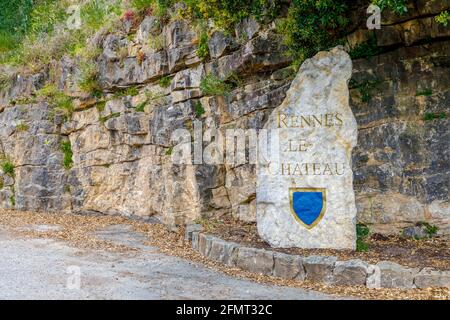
(43, 269)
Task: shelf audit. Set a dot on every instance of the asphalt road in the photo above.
(47, 269)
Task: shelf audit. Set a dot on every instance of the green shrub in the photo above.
(211, 85)
(159, 8)
(41, 40)
(361, 246)
(397, 6)
(46, 38)
(366, 49)
(430, 229)
(125, 92)
(46, 14)
(443, 18)
(100, 105)
(132, 91)
(165, 82)
(365, 88)
(110, 116)
(312, 26)
(23, 100)
(14, 22)
(429, 116)
(48, 91)
(156, 43)
(5, 81)
(362, 232)
(66, 149)
(141, 106)
(8, 42)
(425, 92)
(203, 49)
(56, 98)
(141, 4)
(32, 31)
(22, 127)
(199, 110)
(7, 167)
(227, 13)
(94, 14)
(169, 151)
(88, 79)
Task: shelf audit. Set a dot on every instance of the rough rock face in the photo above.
(39, 180)
(316, 133)
(401, 163)
(121, 154)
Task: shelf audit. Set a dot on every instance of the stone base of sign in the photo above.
(322, 269)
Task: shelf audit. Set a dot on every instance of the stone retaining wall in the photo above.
(325, 269)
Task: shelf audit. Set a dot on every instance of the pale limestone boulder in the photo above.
(351, 272)
(288, 266)
(224, 252)
(394, 275)
(319, 268)
(255, 260)
(320, 89)
(204, 243)
(195, 240)
(429, 277)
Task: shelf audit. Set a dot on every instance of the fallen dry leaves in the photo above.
(433, 252)
(75, 229)
(78, 231)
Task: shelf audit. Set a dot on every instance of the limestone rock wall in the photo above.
(122, 148)
(401, 163)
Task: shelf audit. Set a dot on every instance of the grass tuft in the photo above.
(199, 110)
(7, 167)
(66, 149)
(211, 85)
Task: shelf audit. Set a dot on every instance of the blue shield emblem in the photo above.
(308, 205)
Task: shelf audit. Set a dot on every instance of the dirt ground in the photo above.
(82, 232)
(431, 252)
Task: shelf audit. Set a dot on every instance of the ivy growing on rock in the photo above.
(397, 6)
(312, 26)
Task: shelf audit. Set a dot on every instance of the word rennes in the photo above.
(310, 121)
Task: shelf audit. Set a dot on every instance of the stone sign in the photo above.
(305, 196)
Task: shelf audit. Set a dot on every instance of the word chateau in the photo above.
(306, 169)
